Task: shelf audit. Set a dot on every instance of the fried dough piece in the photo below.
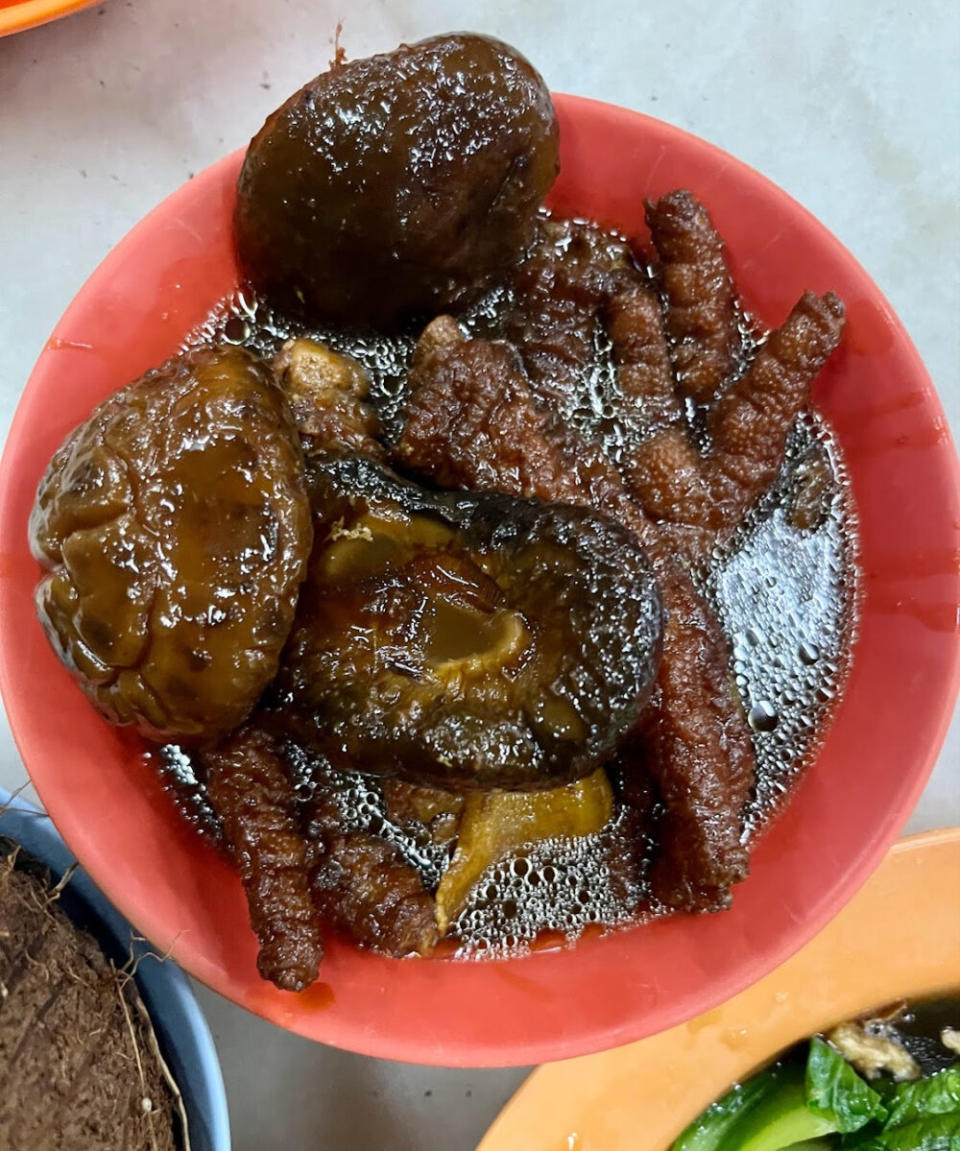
(472, 422)
(250, 790)
(702, 309)
(362, 884)
(701, 500)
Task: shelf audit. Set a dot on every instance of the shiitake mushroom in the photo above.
(464, 640)
(176, 530)
(401, 184)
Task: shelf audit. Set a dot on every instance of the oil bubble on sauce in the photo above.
(785, 597)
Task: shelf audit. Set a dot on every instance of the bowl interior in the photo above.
(159, 283)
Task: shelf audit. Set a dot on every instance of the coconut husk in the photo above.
(80, 1067)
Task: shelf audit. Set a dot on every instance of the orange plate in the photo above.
(17, 16)
(134, 311)
(899, 938)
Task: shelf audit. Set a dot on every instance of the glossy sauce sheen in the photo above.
(784, 594)
(399, 185)
(532, 679)
(176, 533)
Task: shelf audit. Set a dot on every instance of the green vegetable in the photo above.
(779, 1120)
(792, 1107)
(765, 1114)
(935, 1133)
(836, 1092)
(937, 1095)
(707, 1133)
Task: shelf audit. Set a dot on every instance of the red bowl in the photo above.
(160, 282)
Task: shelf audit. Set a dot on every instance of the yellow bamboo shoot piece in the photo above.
(497, 823)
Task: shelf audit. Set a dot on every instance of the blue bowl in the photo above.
(181, 1029)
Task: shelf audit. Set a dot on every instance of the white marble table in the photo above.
(851, 107)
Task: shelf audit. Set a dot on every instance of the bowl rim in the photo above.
(160, 981)
(702, 1058)
(561, 1043)
(33, 13)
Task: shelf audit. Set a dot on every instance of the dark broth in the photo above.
(785, 597)
(917, 1028)
(919, 1031)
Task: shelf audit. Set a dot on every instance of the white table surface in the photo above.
(853, 107)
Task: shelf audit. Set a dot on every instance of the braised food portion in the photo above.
(494, 824)
(362, 885)
(327, 393)
(472, 421)
(696, 745)
(465, 640)
(560, 288)
(701, 301)
(401, 184)
(527, 681)
(250, 790)
(638, 343)
(175, 528)
(701, 499)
